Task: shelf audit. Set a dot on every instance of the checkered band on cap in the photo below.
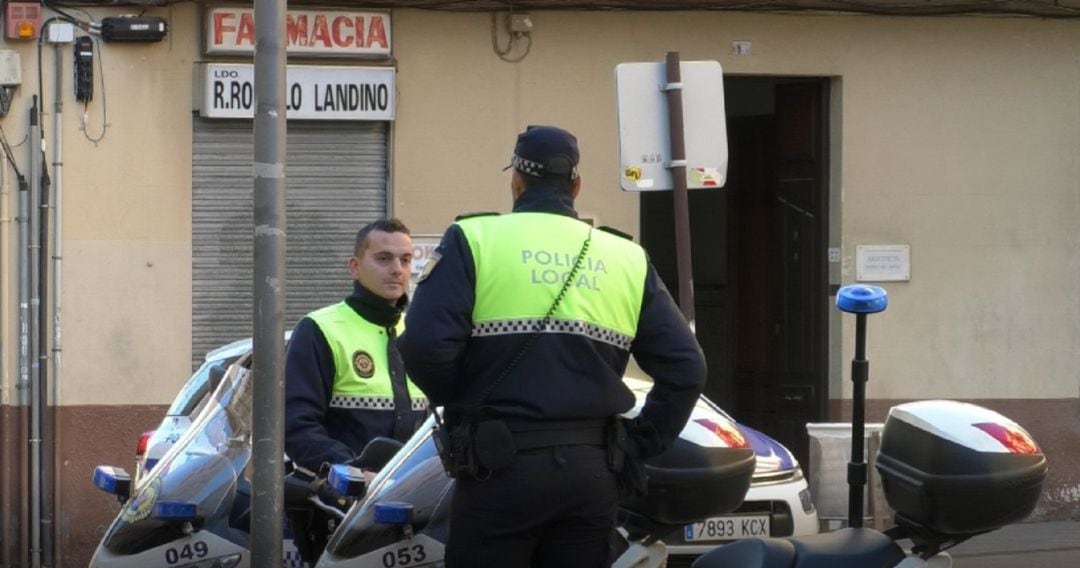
(535, 169)
(526, 166)
(373, 402)
(516, 326)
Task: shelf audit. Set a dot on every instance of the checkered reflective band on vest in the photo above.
(521, 262)
(557, 326)
(374, 402)
(362, 370)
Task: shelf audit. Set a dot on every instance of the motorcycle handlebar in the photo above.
(301, 492)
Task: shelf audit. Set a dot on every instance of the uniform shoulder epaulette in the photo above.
(616, 232)
(464, 216)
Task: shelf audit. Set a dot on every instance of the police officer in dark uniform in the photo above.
(522, 326)
(345, 382)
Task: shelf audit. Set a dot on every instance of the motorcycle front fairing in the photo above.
(414, 476)
(180, 513)
(707, 472)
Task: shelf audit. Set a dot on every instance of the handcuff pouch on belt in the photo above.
(624, 460)
(474, 448)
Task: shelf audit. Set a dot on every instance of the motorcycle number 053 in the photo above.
(404, 556)
(187, 552)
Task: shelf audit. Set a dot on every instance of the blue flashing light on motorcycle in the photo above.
(393, 513)
(113, 480)
(174, 511)
(862, 299)
(346, 480)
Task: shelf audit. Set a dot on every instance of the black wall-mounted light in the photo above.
(134, 29)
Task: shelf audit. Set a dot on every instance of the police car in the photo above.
(777, 504)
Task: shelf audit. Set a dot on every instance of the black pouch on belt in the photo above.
(494, 445)
(444, 445)
(624, 460)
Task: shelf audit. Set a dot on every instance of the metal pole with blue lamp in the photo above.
(860, 300)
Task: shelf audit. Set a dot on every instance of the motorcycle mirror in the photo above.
(377, 453)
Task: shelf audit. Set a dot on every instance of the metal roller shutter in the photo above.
(336, 182)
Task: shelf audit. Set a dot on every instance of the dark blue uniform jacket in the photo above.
(562, 376)
(314, 432)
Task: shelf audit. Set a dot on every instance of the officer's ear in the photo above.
(517, 185)
(575, 187)
(354, 266)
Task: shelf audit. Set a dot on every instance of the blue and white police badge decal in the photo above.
(363, 364)
(432, 260)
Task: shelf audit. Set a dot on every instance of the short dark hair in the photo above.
(392, 225)
(563, 184)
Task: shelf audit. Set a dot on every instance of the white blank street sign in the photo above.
(644, 138)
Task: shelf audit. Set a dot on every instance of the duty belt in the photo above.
(533, 435)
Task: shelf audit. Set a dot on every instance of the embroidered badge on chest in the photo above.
(363, 364)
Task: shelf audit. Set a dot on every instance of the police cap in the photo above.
(546, 152)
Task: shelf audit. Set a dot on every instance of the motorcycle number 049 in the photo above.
(404, 556)
(187, 552)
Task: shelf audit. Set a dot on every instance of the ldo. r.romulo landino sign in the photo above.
(311, 92)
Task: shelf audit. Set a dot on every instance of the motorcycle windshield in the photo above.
(195, 389)
(201, 469)
(414, 476)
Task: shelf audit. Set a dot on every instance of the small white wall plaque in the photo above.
(883, 263)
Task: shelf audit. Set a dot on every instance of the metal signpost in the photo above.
(268, 170)
(672, 136)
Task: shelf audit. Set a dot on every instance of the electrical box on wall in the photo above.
(521, 23)
(133, 28)
(10, 68)
(22, 20)
(61, 32)
(84, 69)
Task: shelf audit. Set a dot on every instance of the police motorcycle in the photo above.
(403, 520)
(193, 508)
(950, 471)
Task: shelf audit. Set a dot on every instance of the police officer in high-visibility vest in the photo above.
(522, 326)
(345, 382)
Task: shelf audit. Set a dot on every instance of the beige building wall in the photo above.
(126, 207)
(127, 204)
(956, 136)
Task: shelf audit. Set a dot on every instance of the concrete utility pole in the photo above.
(268, 435)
